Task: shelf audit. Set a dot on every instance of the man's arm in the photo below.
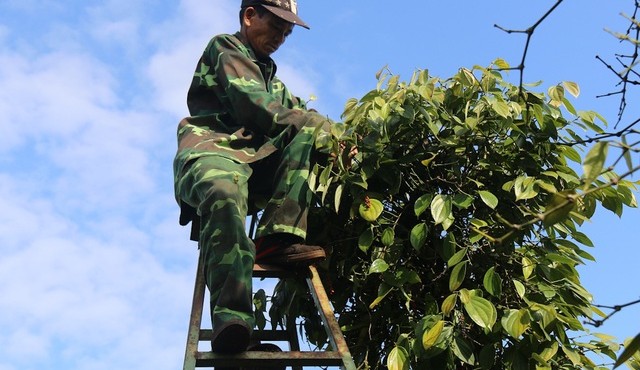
(250, 103)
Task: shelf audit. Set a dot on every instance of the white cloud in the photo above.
(65, 291)
(96, 272)
(180, 44)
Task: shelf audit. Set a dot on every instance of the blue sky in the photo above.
(96, 273)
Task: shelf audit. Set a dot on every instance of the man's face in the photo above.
(267, 33)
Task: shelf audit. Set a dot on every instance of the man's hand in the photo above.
(347, 155)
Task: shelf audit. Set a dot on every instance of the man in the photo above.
(248, 140)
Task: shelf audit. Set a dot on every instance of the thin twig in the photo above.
(616, 309)
(529, 32)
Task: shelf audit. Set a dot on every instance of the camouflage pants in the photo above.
(222, 190)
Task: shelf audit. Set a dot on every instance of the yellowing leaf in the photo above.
(549, 352)
(516, 322)
(501, 63)
(441, 208)
(430, 337)
(370, 209)
(572, 88)
(398, 359)
(449, 303)
(519, 288)
(527, 267)
(572, 355)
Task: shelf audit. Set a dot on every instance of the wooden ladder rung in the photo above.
(260, 335)
(271, 359)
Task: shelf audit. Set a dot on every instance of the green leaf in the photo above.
(378, 266)
(260, 300)
(422, 204)
(481, 311)
(370, 209)
(571, 154)
(457, 276)
(462, 201)
(559, 208)
(488, 357)
(627, 153)
(463, 350)
(569, 106)
(573, 356)
(488, 198)
(549, 351)
(492, 282)
(388, 237)
(430, 337)
(501, 108)
(398, 359)
(418, 236)
(524, 188)
(441, 208)
(631, 349)
(449, 246)
(456, 258)
(594, 162)
(365, 240)
(516, 322)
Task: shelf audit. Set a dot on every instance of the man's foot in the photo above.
(279, 250)
(231, 337)
(264, 347)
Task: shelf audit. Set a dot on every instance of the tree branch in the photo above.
(616, 309)
(627, 75)
(529, 32)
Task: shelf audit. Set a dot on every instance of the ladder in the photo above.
(338, 355)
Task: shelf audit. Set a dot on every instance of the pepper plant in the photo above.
(454, 233)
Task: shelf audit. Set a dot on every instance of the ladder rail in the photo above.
(339, 356)
(195, 320)
(334, 333)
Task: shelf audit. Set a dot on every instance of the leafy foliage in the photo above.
(454, 232)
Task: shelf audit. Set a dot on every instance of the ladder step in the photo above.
(270, 359)
(273, 271)
(261, 335)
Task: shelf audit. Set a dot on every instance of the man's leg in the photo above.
(286, 211)
(218, 188)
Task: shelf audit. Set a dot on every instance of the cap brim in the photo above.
(286, 15)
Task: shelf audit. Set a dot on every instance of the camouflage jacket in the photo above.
(239, 108)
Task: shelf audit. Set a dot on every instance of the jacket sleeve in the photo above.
(250, 103)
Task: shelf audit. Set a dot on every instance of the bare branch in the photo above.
(627, 74)
(616, 309)
(529, 32)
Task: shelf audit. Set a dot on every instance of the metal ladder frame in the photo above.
(338, 356)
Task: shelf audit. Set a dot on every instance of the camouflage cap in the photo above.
(285, 9)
